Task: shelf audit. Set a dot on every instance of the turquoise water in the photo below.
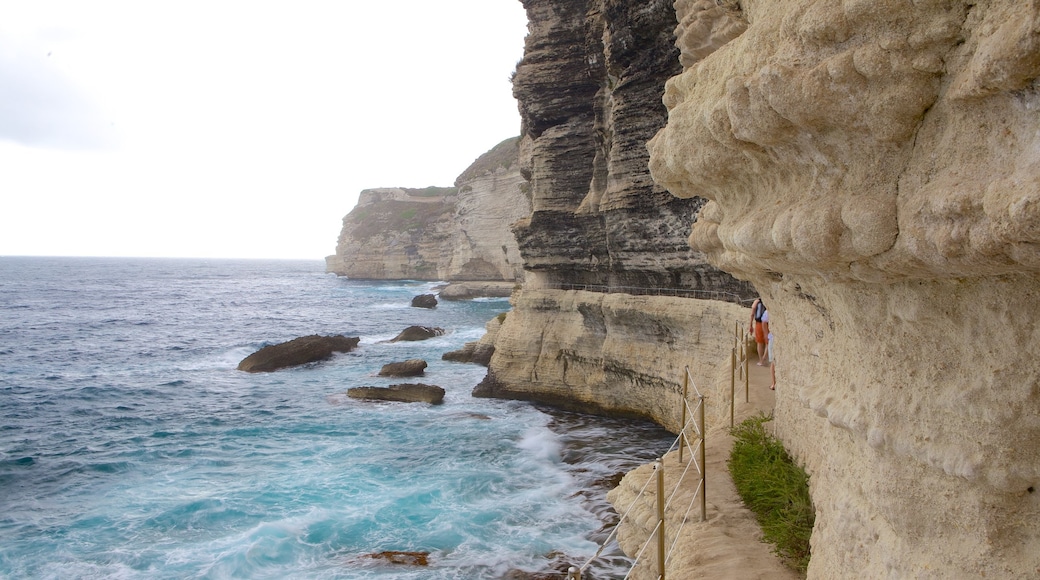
(130, 447)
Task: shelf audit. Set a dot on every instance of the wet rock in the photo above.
(413, 333)
(303, 350)
(404, 393)
(480, 351)
(424, 301)
(471, 352)
(405, 558)
(410, 368)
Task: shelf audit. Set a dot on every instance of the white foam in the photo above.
(542, 444)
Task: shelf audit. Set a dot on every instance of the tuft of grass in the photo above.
(775, 488)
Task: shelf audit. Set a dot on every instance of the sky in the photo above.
(233, 128)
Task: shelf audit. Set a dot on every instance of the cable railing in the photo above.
(740, 369)
(691, 438)
(656, 291)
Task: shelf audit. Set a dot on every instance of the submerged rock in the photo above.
(413, 333)
(424, 301)
(407, 558)
(404, 393)
(298, 351)
(410, 368)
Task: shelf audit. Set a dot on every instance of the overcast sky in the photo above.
(222, 128)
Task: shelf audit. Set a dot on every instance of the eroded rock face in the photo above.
(872, 166)
(589, 88)
(298, 351)
(456, 233)
(611, 353)
(478, 351)
(492, 196)
(471, 290)
(401, 393)
(394, 234)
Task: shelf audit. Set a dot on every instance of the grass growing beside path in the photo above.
(774, 488)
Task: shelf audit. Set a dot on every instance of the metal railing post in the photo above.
(704, 467)
(660, 517)
(573, 574)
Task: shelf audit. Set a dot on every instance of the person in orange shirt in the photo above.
(758, 309)
(769, 349)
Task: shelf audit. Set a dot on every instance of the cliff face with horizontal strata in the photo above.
(458, 233)
(874, 168)
(589, 89)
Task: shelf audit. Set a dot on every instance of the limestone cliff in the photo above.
(612, 353)
(874, 168)
(589, 89)
(458, 233)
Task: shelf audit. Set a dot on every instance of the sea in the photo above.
(131, 447)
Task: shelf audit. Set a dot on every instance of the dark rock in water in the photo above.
(298, 351)
(471, 352)
(418, 333)
(404, 393)
(407, 558)
(410, 368)
(424, 301)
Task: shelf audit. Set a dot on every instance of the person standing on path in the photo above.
(769, 350)
(758, 309)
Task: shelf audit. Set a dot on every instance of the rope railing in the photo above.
(652, 291)
(692, 423)
(739, 368)
(740, 361)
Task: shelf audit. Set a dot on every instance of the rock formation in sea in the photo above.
(605, 320)
(402, 393)
(412, 367)
(298, 351)
(478, 351)
(439, 233)
(416, 333)
(425, 301)
(873, 167)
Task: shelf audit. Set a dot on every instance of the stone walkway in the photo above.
(728, 545)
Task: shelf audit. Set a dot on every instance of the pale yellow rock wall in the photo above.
(615, 353)
(457, 234)
(872, 166)
(487, 205)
